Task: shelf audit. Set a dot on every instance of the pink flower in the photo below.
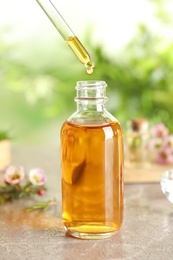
(155, 144)
(168, 141)
(159, 130)
(165, 156)
(41, 192)
(37, 177)
(14, 175)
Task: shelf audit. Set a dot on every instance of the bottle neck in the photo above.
(92, 106)
(91, 95)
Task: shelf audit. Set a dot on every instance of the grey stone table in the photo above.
(147, 231)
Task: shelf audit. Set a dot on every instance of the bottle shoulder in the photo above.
(92, 118)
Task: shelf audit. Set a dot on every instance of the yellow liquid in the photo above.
(92, 185)
(81, 53)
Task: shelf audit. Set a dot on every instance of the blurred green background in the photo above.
(130, 43)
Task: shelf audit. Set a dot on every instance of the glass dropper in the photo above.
(67, 34)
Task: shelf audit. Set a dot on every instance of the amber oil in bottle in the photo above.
(92, 166)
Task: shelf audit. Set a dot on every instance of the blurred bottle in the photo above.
(136, 143)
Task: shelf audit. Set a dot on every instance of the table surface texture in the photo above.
(146, 233)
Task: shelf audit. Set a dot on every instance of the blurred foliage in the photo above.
(4, 135)
(142, 79)
(36, 92)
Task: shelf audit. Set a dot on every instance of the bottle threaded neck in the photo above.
(91, 90)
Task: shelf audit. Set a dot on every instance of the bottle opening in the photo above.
(91, 90)
(91, 84)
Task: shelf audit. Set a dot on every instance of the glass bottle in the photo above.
(136, 143)
(92, 166)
